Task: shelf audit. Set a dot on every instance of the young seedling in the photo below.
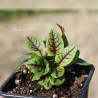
(49, 66)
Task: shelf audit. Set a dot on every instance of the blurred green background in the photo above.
(37, 18)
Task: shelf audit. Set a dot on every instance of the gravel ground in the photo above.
(81, 29)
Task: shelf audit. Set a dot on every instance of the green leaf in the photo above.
(57, 81)
(45, 40)
(82, 62)
(75, 58)
(21, 68)
(38, 66)
(67, 56)
(58, 72)
(26, 54)
(63, 36)
(44, 81)
(48, 85)
(54, 43)
(65, 40)
(36, 77)
(73, 72)
(35, 55)
(34, 43)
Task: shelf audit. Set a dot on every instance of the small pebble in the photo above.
(54, 96)
(25, 71)
(30, 85)
(81, 84)
(84, 75)
(17, 87)
(42, 88)
(11, 92)
(20, 88)
(28, 72)
(76, 78)
(30, 91)
(8, 92)
(17, 81)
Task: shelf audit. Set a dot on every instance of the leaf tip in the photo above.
(57, 24)
(62, 29)
(75, 46)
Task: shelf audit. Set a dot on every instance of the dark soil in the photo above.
(70, 89)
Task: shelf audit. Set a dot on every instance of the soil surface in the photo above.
(69, 89)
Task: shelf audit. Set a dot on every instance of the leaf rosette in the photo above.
(50, 57)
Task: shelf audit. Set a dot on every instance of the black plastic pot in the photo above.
(10, 82)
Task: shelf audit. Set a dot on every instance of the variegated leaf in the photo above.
(36, 77)
(20, 68)
(57, 81)
(54, 43)
(44, 81)
(67, 56)
(48, 85)
(58, 72)
(38, 66)
(63, 35)
(34, 43)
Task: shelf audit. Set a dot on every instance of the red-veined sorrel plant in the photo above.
(49, 66)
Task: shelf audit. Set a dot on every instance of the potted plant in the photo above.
(54, 69)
